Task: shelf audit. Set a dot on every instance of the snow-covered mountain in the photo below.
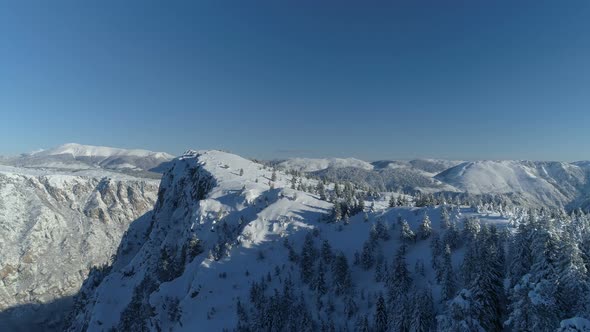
(548, 183)
(57, 224)
(76, 156)
(553, 184)
(221, 224)
(318, 164)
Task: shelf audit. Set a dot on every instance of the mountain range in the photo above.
(131, 239)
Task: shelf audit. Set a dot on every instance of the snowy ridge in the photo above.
(73, 156)
(79, 150)
(542, 182)
(318, 164)
(240, 219)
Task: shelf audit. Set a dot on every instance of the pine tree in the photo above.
(308, 256)
(451, 237)
(448, 276)
(398, 285)
(407, 235)
(487, 287)
(392, 201)
(243, 322)
(445, 218)
(471, 227)
(380, 324)
(425, 227)
(367, 258)
(321, 190)
(326, 252)
(320, 283)
(459, 315)
(342, 277)
(423, 312)
(337, 211)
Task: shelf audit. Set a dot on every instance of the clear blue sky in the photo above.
(272, 79)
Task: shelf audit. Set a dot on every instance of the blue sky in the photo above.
(273, 79)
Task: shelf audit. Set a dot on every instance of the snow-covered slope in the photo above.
(76, 156)
(215, 232)
(318, 164)
(55, 226)
(553, 184)
(550, 183)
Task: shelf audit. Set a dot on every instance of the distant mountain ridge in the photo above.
(74, 156)
(556, 184)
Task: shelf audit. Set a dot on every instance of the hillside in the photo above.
(57, 224)
(531, 183)
(216, 233)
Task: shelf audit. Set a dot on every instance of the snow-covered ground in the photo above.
(243, 222)
(74, 156)
(55, 226)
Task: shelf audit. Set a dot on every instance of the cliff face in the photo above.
(55, 226)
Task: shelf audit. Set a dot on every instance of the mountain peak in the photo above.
(80, 150)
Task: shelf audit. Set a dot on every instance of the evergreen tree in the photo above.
(423, 312)
(448, 276)
(367, 258)
(459, 315)
(406, 234)
(398, 287)
(326, 252)
(445, 218)
(425, 227)
(392, 201)
(342, 277)
(308, 256)
(380, 324)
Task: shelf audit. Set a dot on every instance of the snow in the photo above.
(318, 164)
(79, 150)
(575, 324)
(545, 182)
(55, 225)
(269, 216)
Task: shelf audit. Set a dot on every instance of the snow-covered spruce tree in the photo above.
(392, 201)
(367, 255)
(448, 282)
(573, 289)
(451, 237)
(137, 314)
(445, 218)
(242, 315)
(406, 233)
(533, 300)
(459, 315)
(422, 318)
(398, 286)
(341, 274)
(471, 227)
(382, 230)
(436, 250)
(308, 258)
(380, 324)
(425, 228)
(521, 257)
(326, 252)
(486, 285)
